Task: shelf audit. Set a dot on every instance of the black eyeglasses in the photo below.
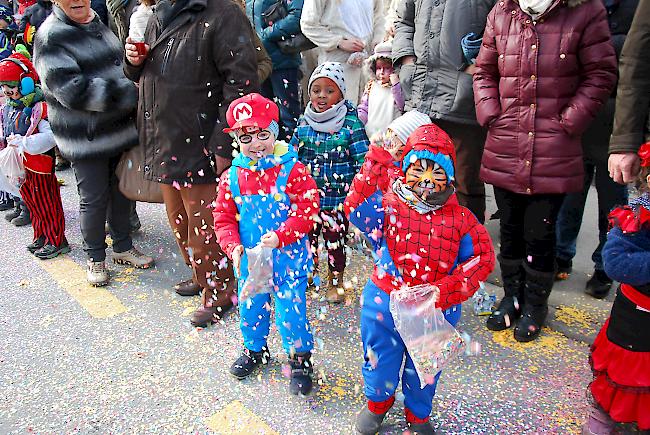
(261, 135)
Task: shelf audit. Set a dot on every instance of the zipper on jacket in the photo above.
(168, 51)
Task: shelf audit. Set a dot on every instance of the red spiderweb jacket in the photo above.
(448, 247)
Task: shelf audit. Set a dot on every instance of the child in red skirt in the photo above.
(620, 356)
(23, 118)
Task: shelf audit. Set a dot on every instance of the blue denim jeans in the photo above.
(282, 86)
(610, 195)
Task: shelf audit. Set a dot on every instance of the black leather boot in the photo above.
(301, 370)
(537, 290)
(509, 309)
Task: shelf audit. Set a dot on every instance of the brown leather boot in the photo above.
(188, 288)
(214, 304)
(335, 290)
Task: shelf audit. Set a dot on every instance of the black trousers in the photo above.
(528, 227)
(97, 185)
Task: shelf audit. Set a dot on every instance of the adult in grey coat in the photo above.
(436, 79)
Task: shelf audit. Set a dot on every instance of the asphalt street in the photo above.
(125, 359)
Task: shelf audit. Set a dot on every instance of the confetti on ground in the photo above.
(572, 316)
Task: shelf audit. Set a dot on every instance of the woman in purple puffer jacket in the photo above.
(544, 69)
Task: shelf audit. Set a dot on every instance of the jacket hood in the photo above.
(569, 3)
(282, 153)
(430, 142)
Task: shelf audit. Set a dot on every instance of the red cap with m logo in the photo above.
(252, 110)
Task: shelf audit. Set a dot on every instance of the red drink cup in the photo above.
(141, 48)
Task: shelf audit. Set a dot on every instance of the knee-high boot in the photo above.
(509, 309)
(537, 290)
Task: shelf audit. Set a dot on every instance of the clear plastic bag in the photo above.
(12, 170)
(430, 340)
(260, 272)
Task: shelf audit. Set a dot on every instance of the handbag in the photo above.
(132, 184)
(295, 43)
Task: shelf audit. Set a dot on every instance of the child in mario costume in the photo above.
(25, 126)
(267, 197)
(421, 235)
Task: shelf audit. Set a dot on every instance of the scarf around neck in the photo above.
(27, 101)
(329, 121)
(405, 194)
(535, 8)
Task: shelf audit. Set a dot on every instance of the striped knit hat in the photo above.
(332, 71)
(406, 124)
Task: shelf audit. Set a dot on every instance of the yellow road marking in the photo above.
(236, 419)
(99, 302)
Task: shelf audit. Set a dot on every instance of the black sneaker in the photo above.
(564, 268)
(599, 284)
(13, 214)
(301, 370)
(50, 251)
(248, 362)
(23, 219)
(36, 244)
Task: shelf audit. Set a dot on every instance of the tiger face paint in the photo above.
(426, 178)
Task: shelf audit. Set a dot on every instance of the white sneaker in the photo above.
(134, 258)
(96, 273)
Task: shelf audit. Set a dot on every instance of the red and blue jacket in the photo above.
(446, 247)
(261, 178)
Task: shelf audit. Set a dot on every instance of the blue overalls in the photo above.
(259, 214)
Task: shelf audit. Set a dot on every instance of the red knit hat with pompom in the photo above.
(11, 72)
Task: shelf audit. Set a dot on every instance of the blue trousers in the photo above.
(282, 85)
(388, 351)
(290, 318)
(610, 195)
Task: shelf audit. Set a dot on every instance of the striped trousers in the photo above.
(43, 199)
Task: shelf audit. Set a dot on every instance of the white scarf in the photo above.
(535, 8)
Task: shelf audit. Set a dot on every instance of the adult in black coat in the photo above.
(595, 145)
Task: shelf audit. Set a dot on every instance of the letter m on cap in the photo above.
(242, 111)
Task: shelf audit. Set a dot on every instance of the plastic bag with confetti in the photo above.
(12, 170)
(260, 272)
(430, 339)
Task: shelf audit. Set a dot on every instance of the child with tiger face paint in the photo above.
(421, 235)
